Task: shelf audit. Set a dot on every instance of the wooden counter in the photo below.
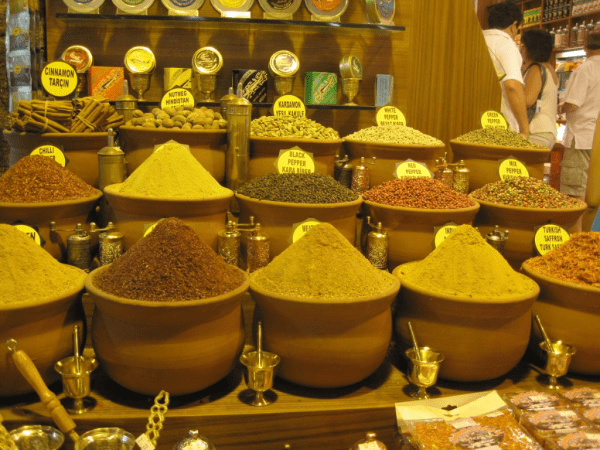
(304, 418)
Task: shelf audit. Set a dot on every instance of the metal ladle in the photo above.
(97, 439)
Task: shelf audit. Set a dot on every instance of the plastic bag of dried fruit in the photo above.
(481, 420)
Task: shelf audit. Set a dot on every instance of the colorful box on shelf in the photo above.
(384, 90)
(106, 82)
(254, 84)
(320, 88)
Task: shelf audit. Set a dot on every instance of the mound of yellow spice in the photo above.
(29, 273)
(322, 265)
(171, 172)
(465, 265)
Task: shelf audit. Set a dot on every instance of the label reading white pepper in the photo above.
(52, 152)
(295, 160)
(390, 115)
(493, 119)
(550, 236)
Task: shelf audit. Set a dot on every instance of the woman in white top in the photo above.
(541, 86)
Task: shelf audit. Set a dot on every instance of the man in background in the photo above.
(504, 20)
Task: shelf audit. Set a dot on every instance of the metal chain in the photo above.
(157, 417)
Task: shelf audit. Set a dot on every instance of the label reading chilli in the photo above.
(59, 79)
(52, 152)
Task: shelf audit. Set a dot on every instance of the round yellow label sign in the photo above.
(302, 228)
(550, 236)
(31, 232)
(59, 79)
(295, 160)
(390, 115)
(412, 169)
(177, 97)
(512, 168)
(493, 119)
(443, 232)
(289, 105)
(50, 151)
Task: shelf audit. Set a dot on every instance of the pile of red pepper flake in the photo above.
(576, 261)
(39, 179)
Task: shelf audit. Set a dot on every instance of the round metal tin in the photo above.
(381, 10)
(223, 6)
(284, 63)
(183, 5)
(79, 57)
(350, 67)
(276, 7)
(84, 6)
(140, 60)
(133, 6)
(326, 9)
(207, 61)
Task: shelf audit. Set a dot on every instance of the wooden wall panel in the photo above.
(453, 80)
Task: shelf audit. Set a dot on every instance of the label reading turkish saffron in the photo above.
(301, 228)
(390, 115)
(177, 97)
(52, 152)
(493, 119)
(441, 233)
(31, 232)
(295, 160)
(59, 79)
(289, 105)
(412, 169)
(512, 168)
(550, 236)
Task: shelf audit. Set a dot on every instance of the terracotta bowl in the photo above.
(388, 155)
(81, 149)
(482, 338)
(66, 214)
(483, 160)
(521, 223)
(411, 230)
(264, 151)
(278, 218)
(133, 214)
(181, 347)
(207, 146)
(44, 330)
(326, 343)
(570, 312)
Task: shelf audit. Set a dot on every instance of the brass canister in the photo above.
(339, 165)
(345, 178)
(126, 104)
(110, 247)
(443, 172)
(228, 244)
(377, 247)
(111, 163)
(460, 181)
(259, 248)
(370, 442)
(497, 238)
(79, 249)
(239, 115)
(225, 101)
(361, 178)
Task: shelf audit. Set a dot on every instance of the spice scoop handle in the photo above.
(27, 368)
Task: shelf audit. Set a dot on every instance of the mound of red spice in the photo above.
(170, 264)
(575, 261)
(39, 179)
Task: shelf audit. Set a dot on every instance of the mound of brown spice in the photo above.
(39, 179)
(170, 264)
(576, 261)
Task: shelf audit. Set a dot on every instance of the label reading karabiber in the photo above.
(289, 105)
(390, 115)
(441, 233)
(550, 236)
(412, 169)
(493, 119)
(177, 97)
(59, 79)
(512, 168)
(50, 151)
(295, 160)
(301, 228)
(31, 232)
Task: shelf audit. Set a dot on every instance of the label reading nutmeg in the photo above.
(301, 228)
(59, 79)
(412, 169)
(493, 119)
(177, 97)
(295, 160)
(52, 152)
(512, 168)
(550, 236)
(390, 115)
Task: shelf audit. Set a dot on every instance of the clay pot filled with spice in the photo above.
(411, 211)
(39, 307)
(522, 205)
(287, 205)
(37, 191)
(482, 150)
(466, 301)
(168, 313)
(391, 144)
(271, 134)
(325, 310)
(569, 300)
(171, 182)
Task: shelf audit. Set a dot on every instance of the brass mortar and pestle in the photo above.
(423, 366)
(112, 438)
(558, 357)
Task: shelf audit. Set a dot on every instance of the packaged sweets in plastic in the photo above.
(533, 401)
(552, 422)
(575, 441)
(583, 396)
(591, 416)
